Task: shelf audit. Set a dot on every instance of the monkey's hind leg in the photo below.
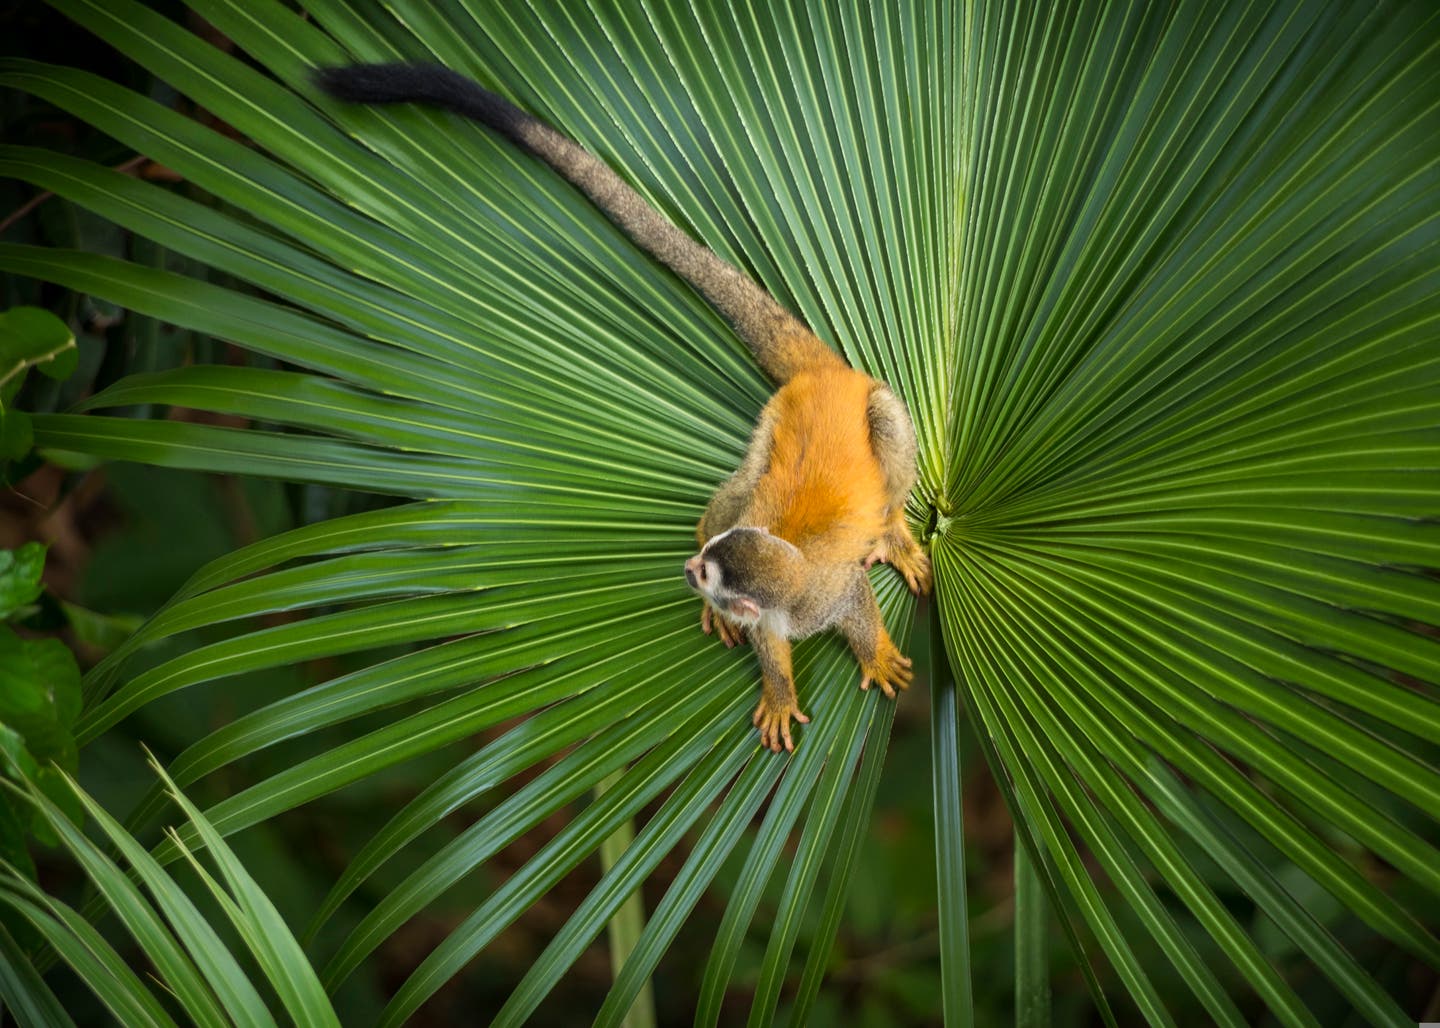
(880, 660)
(900, 550)
(778, 702)
(892, 437)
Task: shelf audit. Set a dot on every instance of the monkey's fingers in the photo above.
(764, 720)
(885, 686)
(888, 672)
(785, 727)
(774, 726)
(713, 622)
(770, 733)
(732, 634)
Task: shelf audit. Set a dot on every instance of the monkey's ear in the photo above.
(743, 607)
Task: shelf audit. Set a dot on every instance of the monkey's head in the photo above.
(743, 572)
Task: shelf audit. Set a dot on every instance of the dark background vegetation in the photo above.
(123, 538)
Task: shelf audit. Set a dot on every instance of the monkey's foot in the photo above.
(890, 670)
(906, 557)
(912, 562)
(712, 621)
(773, 720)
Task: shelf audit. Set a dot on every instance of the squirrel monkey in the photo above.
(786, 542)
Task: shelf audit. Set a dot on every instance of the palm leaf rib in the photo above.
(1160, 286)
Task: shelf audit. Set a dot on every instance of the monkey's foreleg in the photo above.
(778, 702)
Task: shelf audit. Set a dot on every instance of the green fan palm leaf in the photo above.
(1159, 286)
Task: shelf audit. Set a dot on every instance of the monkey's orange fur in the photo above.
(823, 482)
(785, 543)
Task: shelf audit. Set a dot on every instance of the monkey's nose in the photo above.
(691, 567)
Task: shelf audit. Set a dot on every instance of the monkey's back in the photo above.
(823, 489)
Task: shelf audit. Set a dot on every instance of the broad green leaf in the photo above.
(17, 433)
(40, 694)
(20, 571)
(31, 337)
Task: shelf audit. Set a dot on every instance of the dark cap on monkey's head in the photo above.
(743, 562)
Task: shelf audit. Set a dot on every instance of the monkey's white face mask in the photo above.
(706, 576)
(736, 572)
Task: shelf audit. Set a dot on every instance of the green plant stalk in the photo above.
(625, 927)
(955, 978)
(1032, 944)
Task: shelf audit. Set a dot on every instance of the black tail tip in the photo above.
(354, 83)
(398, 82)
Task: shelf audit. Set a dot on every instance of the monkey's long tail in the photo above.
(781, 344)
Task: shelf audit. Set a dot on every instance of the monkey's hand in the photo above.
(772, 717)
(711, 620)
(890, 669)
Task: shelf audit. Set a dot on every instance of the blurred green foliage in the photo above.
(39, 702)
